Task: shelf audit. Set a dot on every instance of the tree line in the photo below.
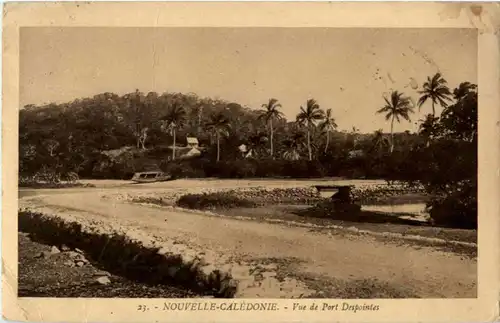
(70, 137)
(87, 138)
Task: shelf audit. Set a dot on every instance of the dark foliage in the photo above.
(455, 206)
(213, 200)
(111, 136)
(448, 165)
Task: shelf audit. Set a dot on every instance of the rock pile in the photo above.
(103, 280)
(261, 194)
(279, 195)
(76, 258)
(378, 193)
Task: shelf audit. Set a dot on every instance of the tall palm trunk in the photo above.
(433, 110)
(327, 140)
(218, 146)
(392, 134)
(173, 147)
(200, 112)
(309, 143)
(272, 137)
(138, 136)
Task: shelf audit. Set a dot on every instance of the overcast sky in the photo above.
(347, 70)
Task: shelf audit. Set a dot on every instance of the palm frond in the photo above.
(422, 100)
(384, 109)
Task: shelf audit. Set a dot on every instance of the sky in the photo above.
(348, 70)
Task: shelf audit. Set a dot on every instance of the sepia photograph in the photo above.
(248, 162)
(269, 162)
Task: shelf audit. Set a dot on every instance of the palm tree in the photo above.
(292, 145)
(435, 90)
(135, 103)
(399, 106)
(257, 142)
(429, 128)
(308, 117)
(219, 125)
(354, 134)
(328, 125)
(173, 120)
(379, 140)
(269, 113)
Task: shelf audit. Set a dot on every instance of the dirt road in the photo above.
(297, 261)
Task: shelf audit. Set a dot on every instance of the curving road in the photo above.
(295, 252)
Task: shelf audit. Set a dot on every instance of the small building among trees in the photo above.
(192, 142)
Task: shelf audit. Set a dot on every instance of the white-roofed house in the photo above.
(192, 142)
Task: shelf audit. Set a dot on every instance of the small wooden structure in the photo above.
(338, 192)
(192, 142)
(341, 198)
(150, 177)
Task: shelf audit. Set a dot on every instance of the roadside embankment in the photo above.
(132, 258)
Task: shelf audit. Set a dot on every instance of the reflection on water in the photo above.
(417, 208)
(412, 211)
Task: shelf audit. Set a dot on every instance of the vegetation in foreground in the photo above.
(119, 255)
(54, 275)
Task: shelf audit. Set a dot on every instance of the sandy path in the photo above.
(425, 271)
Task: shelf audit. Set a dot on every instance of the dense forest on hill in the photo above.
(75, 136)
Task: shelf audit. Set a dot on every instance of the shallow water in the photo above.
(404, 211)
(416, 208)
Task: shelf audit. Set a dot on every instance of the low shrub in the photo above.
(455, 207)
(451, 182)
(213, 200)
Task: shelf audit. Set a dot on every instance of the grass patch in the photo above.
(121, 256)
(217, 200)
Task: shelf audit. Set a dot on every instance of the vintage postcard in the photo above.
(250, 161)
